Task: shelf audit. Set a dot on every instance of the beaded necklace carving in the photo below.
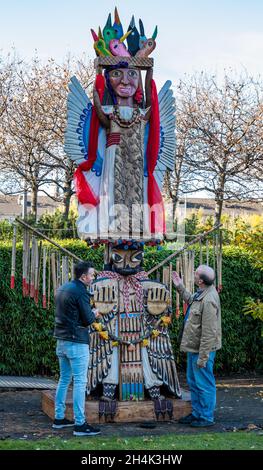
(124, 122)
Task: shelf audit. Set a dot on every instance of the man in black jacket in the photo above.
(73, 316)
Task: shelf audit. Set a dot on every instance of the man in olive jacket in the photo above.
(201, 338)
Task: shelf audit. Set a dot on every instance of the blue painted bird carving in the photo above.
(117, 26)
(143, 38)
(134, 38)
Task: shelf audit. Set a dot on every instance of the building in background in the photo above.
(12, 206)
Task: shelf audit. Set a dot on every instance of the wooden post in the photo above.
(37, 281)
(166, 275)
(181, 250)
(183, 279)
(58, 270)
(191, 270)
(41, 235)
(119, 346)
(39, 268)
(177, 312)
(28, 265)
(201, 252)
(24, 210)
(217, 260)
(207, 252)
(214, 253)
(49, 280)
(186, 269)
(106, 258)
(24, 263)
(44, 297)
(65, 268)
(72, 270)
(13, 262)
(53, 272)
(171, 284)
(32, 269)
(220, 261)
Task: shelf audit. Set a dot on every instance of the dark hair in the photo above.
(206, 279)
(82, 268)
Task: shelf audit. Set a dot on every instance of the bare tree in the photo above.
(51, 102)
(221, 138)
(176, 183)
(7, 83)
(33, 128)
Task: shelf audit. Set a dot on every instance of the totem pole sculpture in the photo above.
(123, 143)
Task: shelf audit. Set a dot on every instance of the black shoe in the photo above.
(187, 419)
(202, 423)
(62, 423)
(86, 430)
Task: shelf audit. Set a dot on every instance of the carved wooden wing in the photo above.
(166, 157)
(161, 357)
(100, 353)
(79, 110)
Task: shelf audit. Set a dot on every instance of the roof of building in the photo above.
(233, 208)
(11, 206)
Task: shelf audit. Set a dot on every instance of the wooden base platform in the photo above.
(127, 412)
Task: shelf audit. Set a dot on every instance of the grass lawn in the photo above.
(219, 441)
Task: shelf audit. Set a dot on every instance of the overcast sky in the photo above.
(193, 35)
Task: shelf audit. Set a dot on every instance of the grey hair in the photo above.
(207, 274)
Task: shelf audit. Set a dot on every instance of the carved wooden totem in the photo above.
(122, 144)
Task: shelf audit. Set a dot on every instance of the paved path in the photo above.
(17, 382)
(239, 406)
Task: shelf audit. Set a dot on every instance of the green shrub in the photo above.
(54, 224)
(242, 342)
(26, 342)
(255, 309)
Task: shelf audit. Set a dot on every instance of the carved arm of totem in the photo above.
(148, 92)
(105, 296)
(104, 120)
(157, 297)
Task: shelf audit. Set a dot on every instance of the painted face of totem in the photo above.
(124, 82)
(126, 262)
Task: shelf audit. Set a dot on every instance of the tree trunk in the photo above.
(67, 193)
(24, 210)
(219, 198)
(34, 202)
(57, 186)
(175, 200)
(218, 210)
(172, 192)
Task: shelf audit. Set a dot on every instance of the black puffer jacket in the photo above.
(73, 312)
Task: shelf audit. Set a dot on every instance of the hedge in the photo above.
(27, 346)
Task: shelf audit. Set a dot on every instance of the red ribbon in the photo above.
(155, 201)
(84, 192)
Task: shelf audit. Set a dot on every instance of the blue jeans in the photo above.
(73, 362)
(202, 386)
